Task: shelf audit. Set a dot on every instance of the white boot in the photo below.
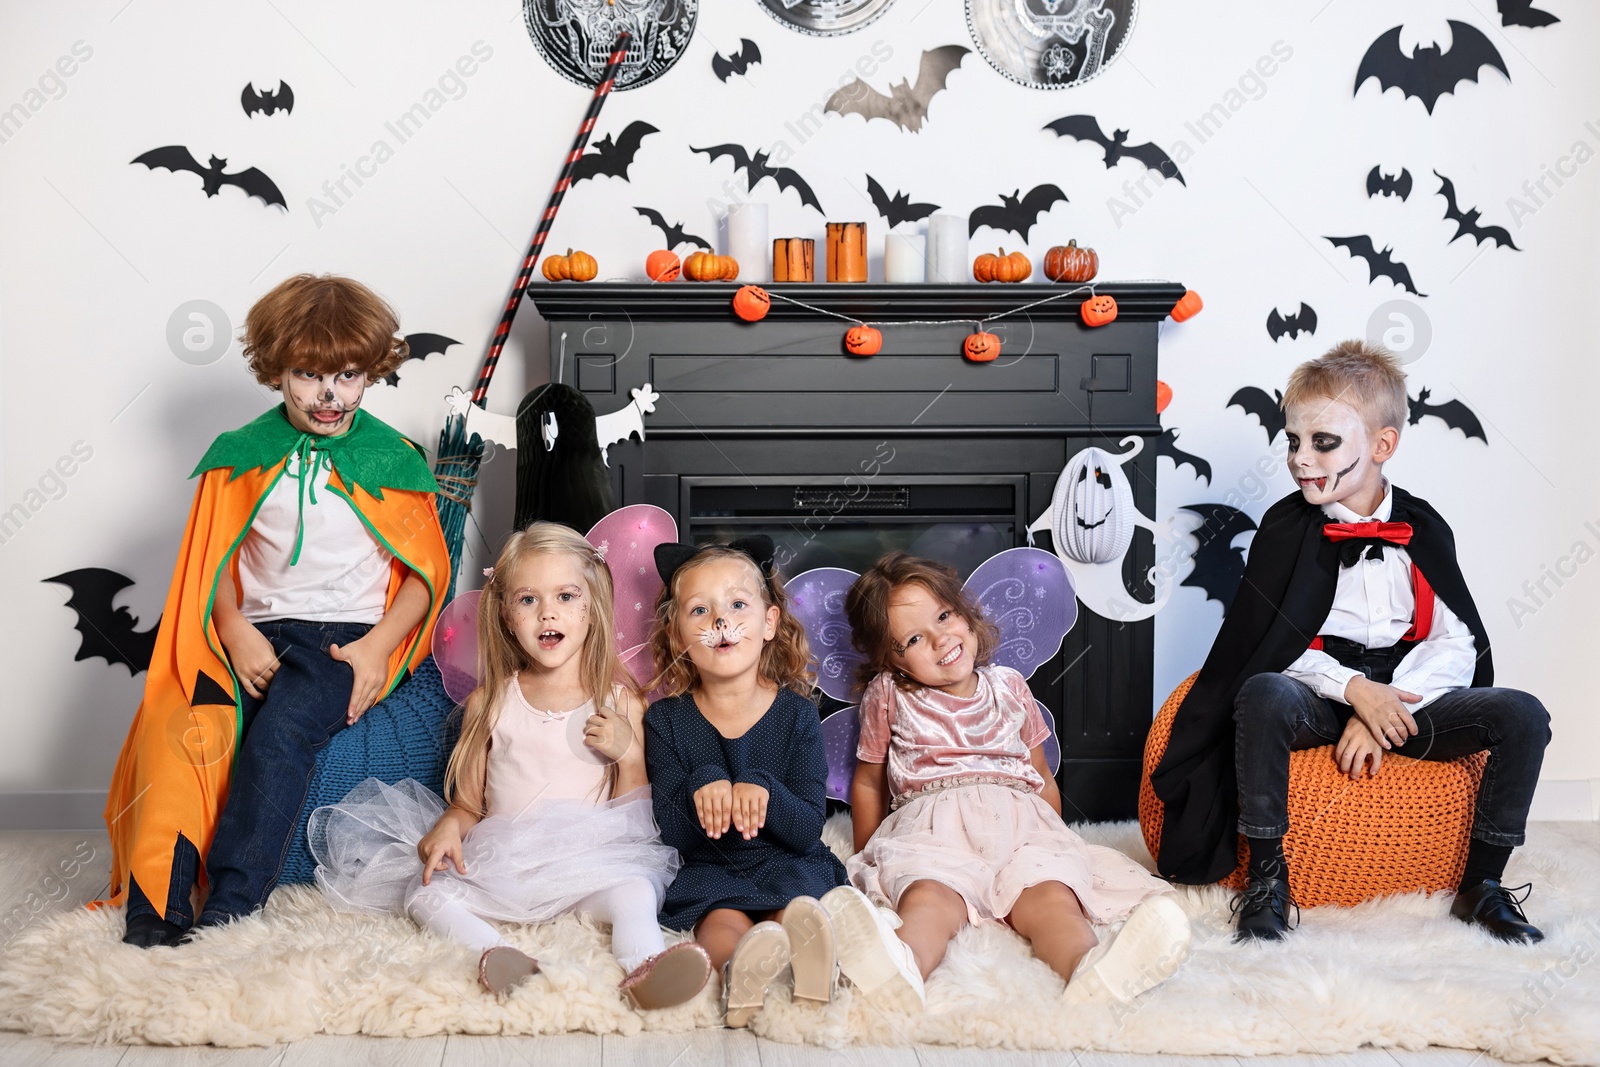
(1142, 955)
(871, 954)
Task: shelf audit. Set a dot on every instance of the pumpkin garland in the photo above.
(863, 340)
(751, 303)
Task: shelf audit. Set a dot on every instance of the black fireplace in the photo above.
(769, 427)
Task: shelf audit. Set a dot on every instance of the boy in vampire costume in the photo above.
(1352, 627)
(306, 588)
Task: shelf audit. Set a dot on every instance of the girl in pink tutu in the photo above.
(957, 817)
(549, 810)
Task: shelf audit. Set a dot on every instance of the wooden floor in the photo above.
(29, 860)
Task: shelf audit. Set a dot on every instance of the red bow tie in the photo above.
(1396, 533)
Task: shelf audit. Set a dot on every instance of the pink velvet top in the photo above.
(931, 739)
(539, 755)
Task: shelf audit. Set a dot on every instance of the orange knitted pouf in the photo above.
(1402, 831)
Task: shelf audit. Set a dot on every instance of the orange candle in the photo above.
(847, 251)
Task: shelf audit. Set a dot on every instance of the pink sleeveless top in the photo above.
(539, 755)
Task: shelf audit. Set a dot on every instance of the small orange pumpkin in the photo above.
(1069, 263)
(1098, 310)
(574, 266)
(1003, 267)
(1187, 307)
(1163, 395)
(663, 265)
(751, 303)
(708, 267)
(981, 347)
(863, 340)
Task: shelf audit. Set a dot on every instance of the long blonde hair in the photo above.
(500, 656)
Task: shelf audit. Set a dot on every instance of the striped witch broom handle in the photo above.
(481, 392)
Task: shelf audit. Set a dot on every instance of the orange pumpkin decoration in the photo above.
(863, 340)
(1098, 310)
(1163, 395)
(1069, 263)
(1003, 267)
(1187, 307)
(751, 303)
(981, 347)
(662, 265)
(707, 267)
(574, 266)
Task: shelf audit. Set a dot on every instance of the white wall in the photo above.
(96, 254)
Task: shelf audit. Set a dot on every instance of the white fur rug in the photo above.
(1396, 972)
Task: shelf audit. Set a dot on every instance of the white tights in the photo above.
(630, 908)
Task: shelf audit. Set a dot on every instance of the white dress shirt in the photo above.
(1373, 605)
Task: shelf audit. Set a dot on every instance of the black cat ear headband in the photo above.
(671, 557)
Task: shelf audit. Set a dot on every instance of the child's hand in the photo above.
(1382, 708)
(1355, 747)
(439, 849)
(609, 733)
(371, 667)
(254, 659)
(749, 808)
(713, 806)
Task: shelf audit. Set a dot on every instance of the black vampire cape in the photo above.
(1283, 600)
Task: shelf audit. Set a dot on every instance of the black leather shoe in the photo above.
(1498, 910)
(1263, 910)
(151, 931)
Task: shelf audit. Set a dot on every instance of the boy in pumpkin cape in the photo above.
(305, 590)
(1352, 627)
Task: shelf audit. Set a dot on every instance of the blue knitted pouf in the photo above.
(409, 735)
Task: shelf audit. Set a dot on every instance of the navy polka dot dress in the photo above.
(783, 754)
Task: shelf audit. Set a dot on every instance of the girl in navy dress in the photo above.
(738, 774)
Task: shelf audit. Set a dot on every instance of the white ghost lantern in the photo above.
(1092, 509)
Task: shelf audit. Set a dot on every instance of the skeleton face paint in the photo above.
(932, 642)
(1331, 454)
(721, 618)
(547, 609)
(322, 404)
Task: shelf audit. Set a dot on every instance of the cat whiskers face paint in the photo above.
(322, 404)
(722, 635)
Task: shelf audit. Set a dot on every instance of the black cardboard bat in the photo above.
(609, 158)
(738, 63)
(756, 171)
(1467, 221)
(1218, 564)
(896, 208)
(1086, 128)
(1167, 445)
(1523, 13)
(252, 181)
(1303, 321)
(1429, 72)
(1269, 409)
(1454, 413)
(905, 106)
(420, 346)
(253, 100)
(1379, 264)
(108, 632)
(674, 235)
(1381, 184)
(1018, 215)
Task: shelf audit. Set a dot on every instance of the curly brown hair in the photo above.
(321, 324)
(785, 660)
(867, 608)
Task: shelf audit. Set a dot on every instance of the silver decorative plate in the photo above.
(825, 18)
(1050, 44)
(576, 36)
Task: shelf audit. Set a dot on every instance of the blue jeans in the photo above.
(1275, 714)
(305, 705)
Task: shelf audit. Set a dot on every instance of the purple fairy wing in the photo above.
(455, 645)
(816, 598)
(627, 539)
(1027, 593)
(841, 731)
(1052, 744)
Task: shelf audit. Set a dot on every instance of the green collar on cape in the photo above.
(371, 455)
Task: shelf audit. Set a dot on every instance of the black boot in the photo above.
(1263, 910)
(150, 931)
(1493, 907)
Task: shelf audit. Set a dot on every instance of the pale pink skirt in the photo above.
(989, 843)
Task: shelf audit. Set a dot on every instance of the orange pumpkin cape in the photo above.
(172, 776)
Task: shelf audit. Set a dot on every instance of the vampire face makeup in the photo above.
(1333, 456)
(932, 642)
(722, 621)
(323, 404)
(547, 608)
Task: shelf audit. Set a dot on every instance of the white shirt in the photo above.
(342, 574)
(1373, 605)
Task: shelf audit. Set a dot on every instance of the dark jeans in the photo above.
(304, 707)
(1275, 714)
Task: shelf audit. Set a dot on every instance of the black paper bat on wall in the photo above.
(609, 158)
(1379, 264)
(1086, 128)
(756, 171)
(1454, 413)
(254, 101)
(673, 234)
(905, 106)
(1017, 215)
(1167, 445)
(420, 346)
(738, 63)
(897, 209)
(1523, 13)
(1467, 221)
(108, 632)
(1218, 564)
(1303, 321)
(251, 180)
(1429, 72)
(1381, 184)
(1269, 409)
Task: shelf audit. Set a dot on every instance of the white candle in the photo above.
(947, 249)
(904, 258)
(747, 241)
